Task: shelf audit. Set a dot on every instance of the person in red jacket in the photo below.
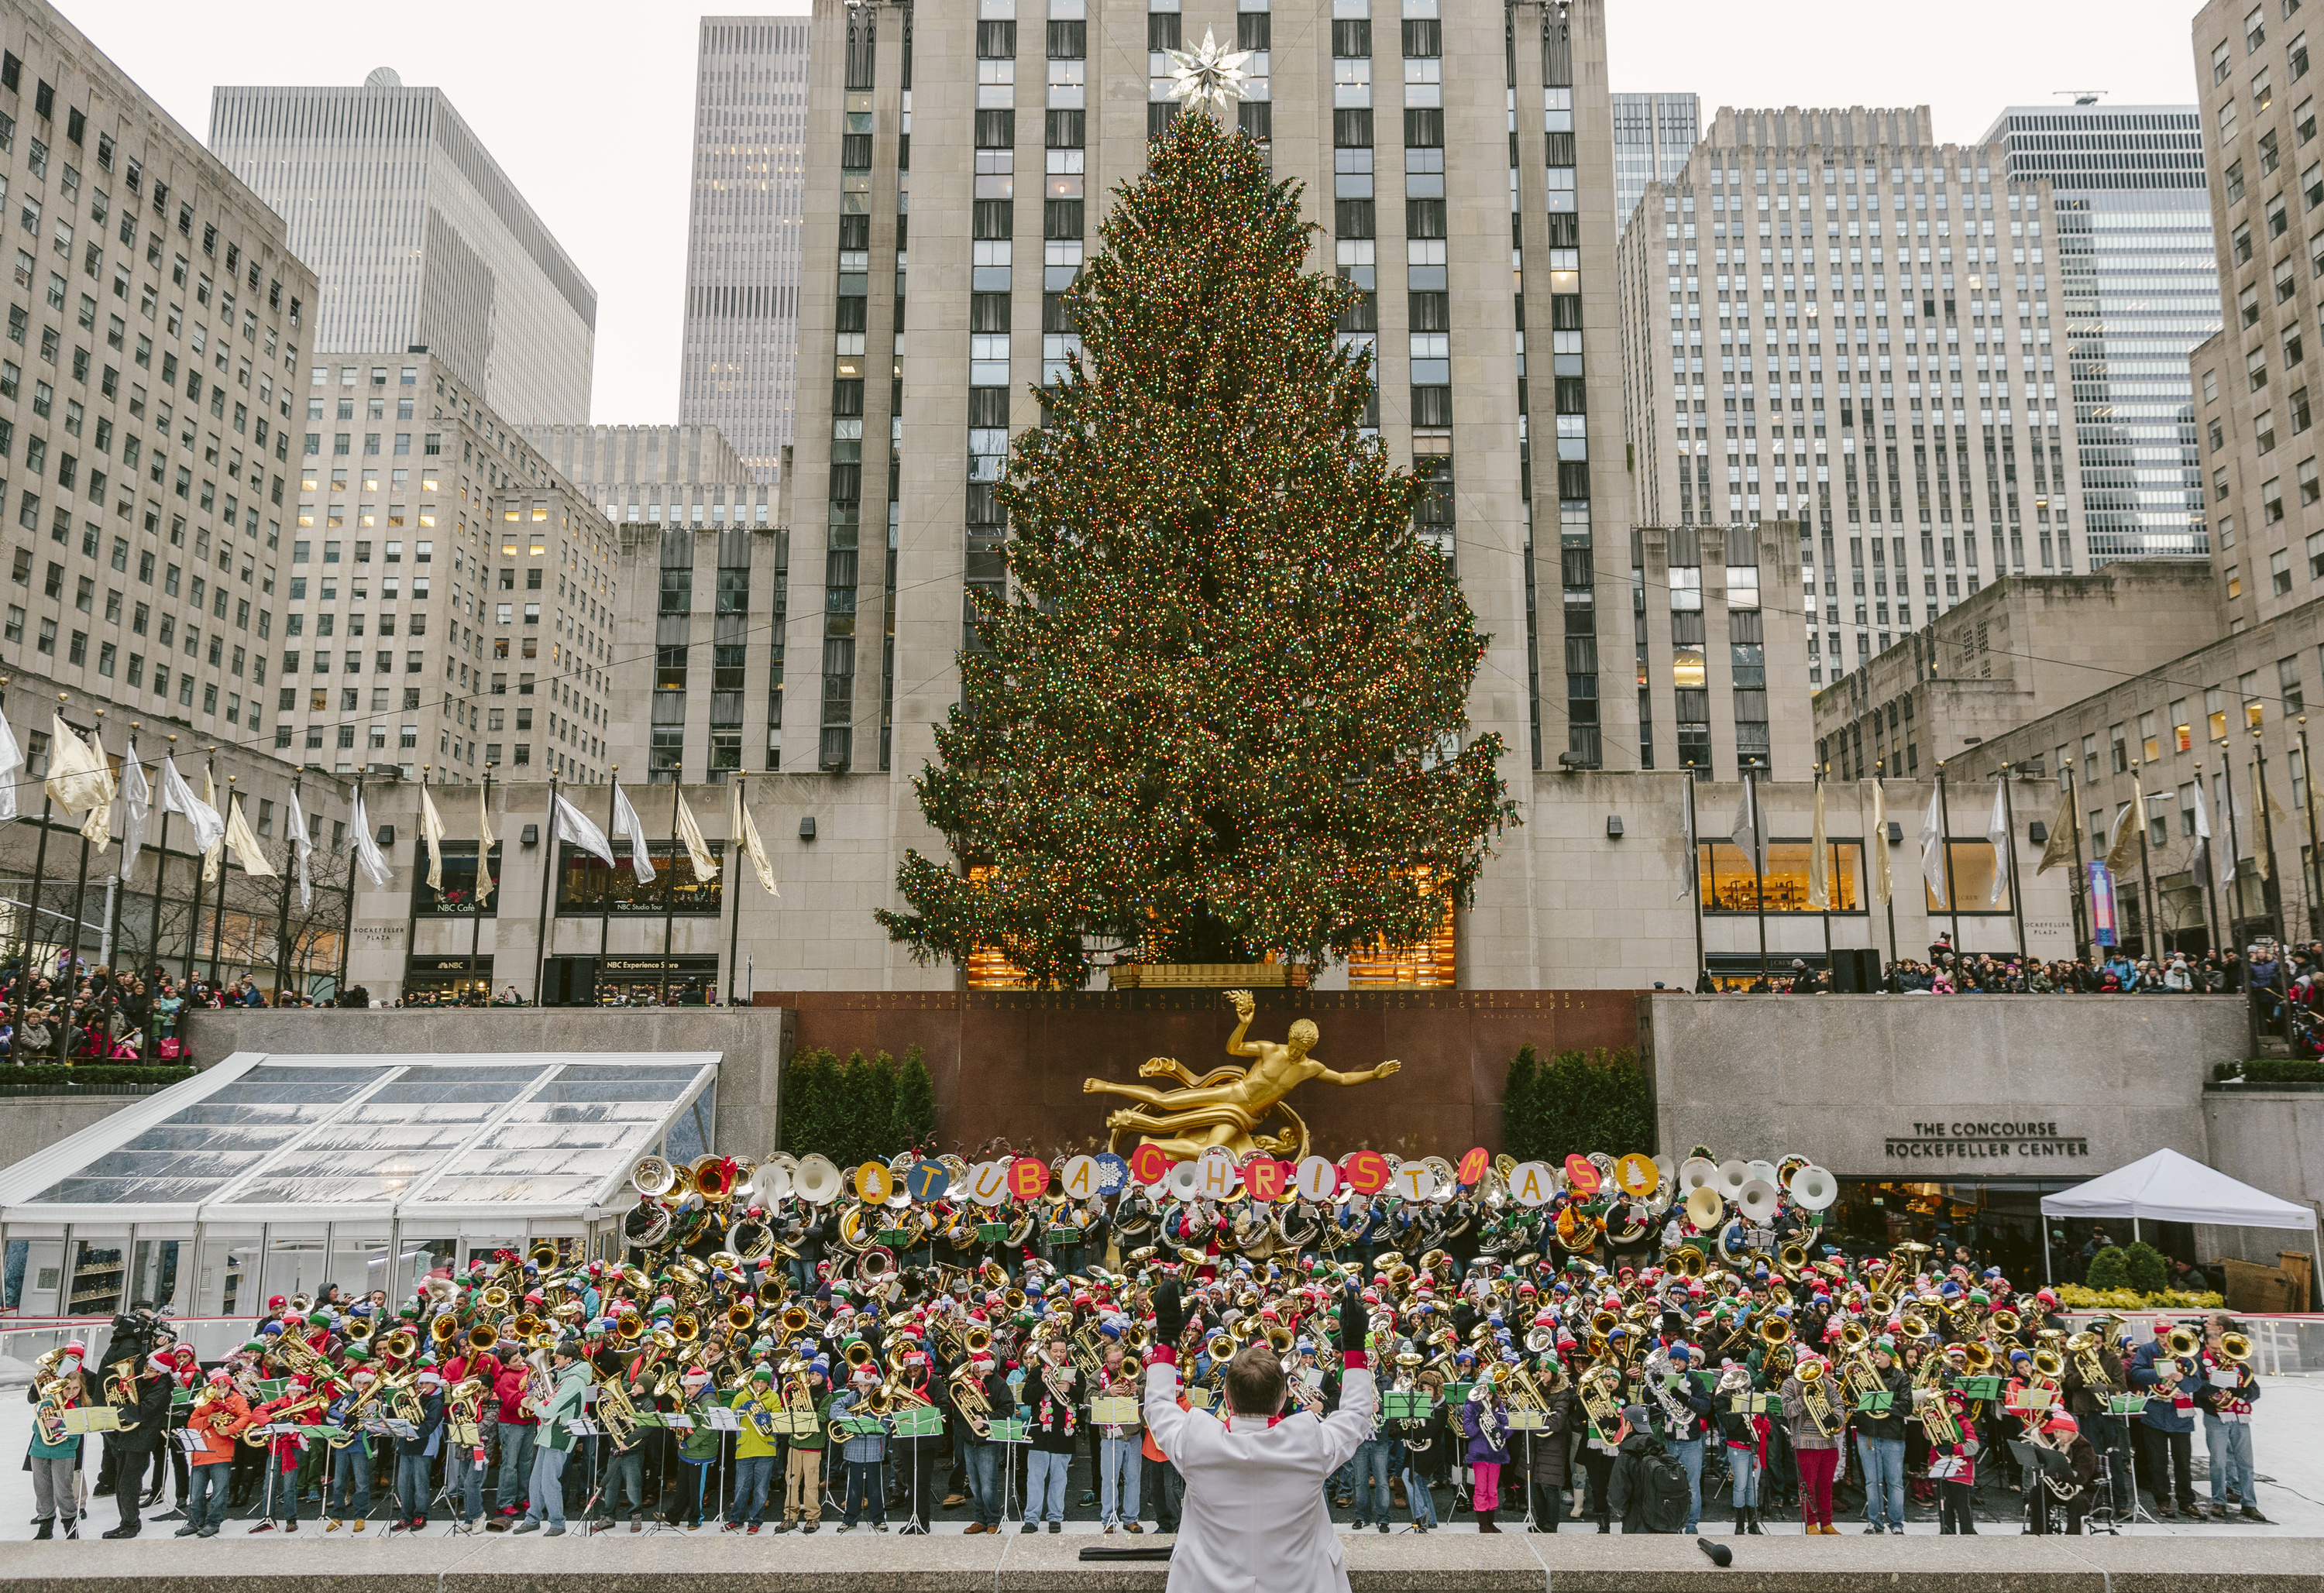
(517, 1433)
(285, 1450)
(217, 1421)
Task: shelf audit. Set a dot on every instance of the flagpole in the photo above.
(613, 875)
(194, 923)
(2153, 937)
(1824, 843)
(668, 894)
(422, 852)
(2235, 846)
(1758, 867)
(476, 918)
(2275, 881)
(217, 910)
(1693, 869)
(2210, 868)
(282, 913)
(549, 841)
(32, 912)
(2073, 813)
(112, 941)
(1945, 839)
(2016, 895)
(1878, 768)
(2308, 801)
(732, 882)
(346, 930)
(80, 899)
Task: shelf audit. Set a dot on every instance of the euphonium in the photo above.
(494, 1301)
(1977, 1356)
(528, 1327)
(1817, 1397)
(1775, 1331)
(969, 1402)
(2005, 1322)
(481, 1339)
(401, 1345)
(795, 1318)
(2235, 1348)
(543, 1254)
(740, 1315)
(1280, 1339)
(2087, 1363)
(2181, 1342)
(359, 1330)
(2048, 1364)
(630, 1323)
(685, 1327)
(977, 1340)
(859, 1354)
(442, 1328)
(1913, 1324)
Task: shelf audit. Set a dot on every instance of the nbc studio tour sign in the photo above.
(1973, 1141)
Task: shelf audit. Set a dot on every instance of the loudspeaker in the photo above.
(1855, 972)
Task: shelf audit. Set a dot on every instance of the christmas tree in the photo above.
(1221, 711)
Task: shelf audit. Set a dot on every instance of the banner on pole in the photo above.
(2102, 904)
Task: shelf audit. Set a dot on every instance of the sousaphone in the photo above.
(817, 1181)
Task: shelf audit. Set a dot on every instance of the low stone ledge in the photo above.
(1575, 1562)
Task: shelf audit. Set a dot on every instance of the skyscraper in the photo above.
(421, 239)
(2141, 280)
(743, 240)
(1651, 135)
(1832, 304)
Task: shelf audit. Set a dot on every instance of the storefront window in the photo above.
(1726, 882)
(99, 1272)
(358, 1261)
(584, 881)
(229, 1268)
(294, 1264)
(458, 900)
(153, 1276)
(1972, 880)
(35, 1275)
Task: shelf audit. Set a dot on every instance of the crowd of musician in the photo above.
(1601, 1360)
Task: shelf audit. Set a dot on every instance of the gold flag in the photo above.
(2127, 847)
(1820, 859)
(752, 847)
(215, 855)
(2059, 853)
(1883, 886)
(246, 850)
(697, 850)
(485, 841)
(431, 830)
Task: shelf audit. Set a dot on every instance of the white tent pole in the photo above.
(2134, 1227)
(2040, 1217)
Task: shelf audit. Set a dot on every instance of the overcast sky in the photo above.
(588, 104)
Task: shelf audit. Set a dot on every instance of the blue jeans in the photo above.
(867, 1490)
(2231, 1461)
(463, 1481)
(1045, 1484)
(350, 1474)
(1743, 1467)
(1688, 1452)
(206, 1501)
(1416, 1495)
(547, 1486)
(984, 1463)
(1118, 1476)
(1883, 1460)
(411, 1475)
(516, 1465)
(1372, 1479)
(753, 1476)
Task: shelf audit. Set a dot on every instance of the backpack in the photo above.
(1663, 1481)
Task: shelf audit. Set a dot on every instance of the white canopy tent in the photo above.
(2167, 1187)
(280, 1174)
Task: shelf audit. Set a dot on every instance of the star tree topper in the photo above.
(1208, 75)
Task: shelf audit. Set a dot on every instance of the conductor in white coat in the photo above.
(1254, 1517)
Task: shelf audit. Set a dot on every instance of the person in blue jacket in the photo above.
(2167, 1430)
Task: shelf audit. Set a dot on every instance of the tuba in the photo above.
(1816, 1395)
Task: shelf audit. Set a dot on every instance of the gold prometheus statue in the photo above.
(1226, 1105)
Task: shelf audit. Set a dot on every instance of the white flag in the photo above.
(485, 841)
(2202, 864)
(626, 827)
(1997, 829)
(367, 853)
(1746, 833)
(1932, 852)
(1690, 862)
(1884, 884)
(752, 847)
(79, 781)
(568, 822)
(11, 758)
(697, 850)
(431, 831)
(136, 806)
(301, 849)
(177, 797)
(246, 850)
(1820, 859)
(215, 856)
